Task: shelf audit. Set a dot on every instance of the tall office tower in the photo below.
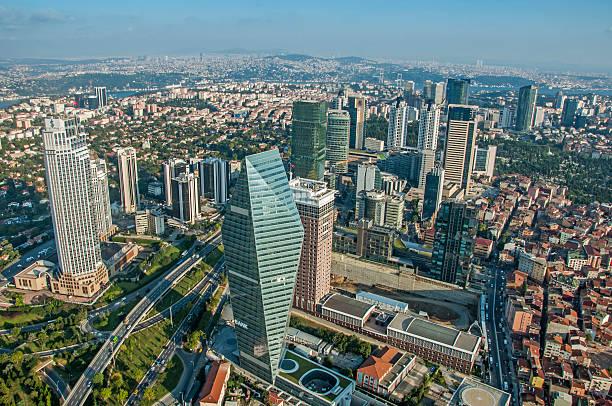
(127, 168)
(432, 196)
(484, 160)
(459, 149)
(559, 99)
(371, 205)
(68, 172)
(171, 169)
(186, 198)
(340, 101)
(409, 87)
(429, 124)
(101, 96)
(398, 120)
(457, 91)
(526, 108)
(428, 161)
(506, 117)
(309, 128)
(263, 235)
(570, 108)
(456, 227)
(356, 106)
(315, 203)
(438, 93)
(428, 90)
(394, 211)
(338, 133)
(368, 177)
(538, 117)
(101, 199)
(214, 177)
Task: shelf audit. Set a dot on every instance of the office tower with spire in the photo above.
(70, 185)
(262, 235)
(101, 199)
(309, 131)
(398, 121)
(526, 108)
(432, 195)
(427, 141)
(356, 106)
(315, 203)
(338, 133)
(453, 248)
(186, 197)
(127, 168)
(457, 91)
(460, 144)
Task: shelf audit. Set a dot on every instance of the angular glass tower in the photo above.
(262, 235)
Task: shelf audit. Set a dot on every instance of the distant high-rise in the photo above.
(568, 115)
(429, 124)
(371, 205)
(526, 108)
(432, 196)
(170, 170)
(506, 117)
(127, 168)
(456, 227)
(186, 198)
(409, 87)
(428, 91)
(101, 96)
(427, 161)
(356, 106)
(559, 99)
(214, 177)
(398, 120)
(101, 200)
(338, 133)
(457, 91)
(262, 235)
(71, 196)
(309, 131)
(438, 93)
(315, 203)
(368, 177)
(459, 149)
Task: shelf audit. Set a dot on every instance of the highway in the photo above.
(82, 388)
(211, 285)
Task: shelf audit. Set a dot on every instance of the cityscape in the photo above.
(270, 227)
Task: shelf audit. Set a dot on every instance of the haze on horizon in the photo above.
(549, 34)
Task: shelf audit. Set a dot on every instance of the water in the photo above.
(8, 103)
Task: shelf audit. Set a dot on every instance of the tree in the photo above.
(149, 394)
(105, 394)
(122, 396)
(98, 379)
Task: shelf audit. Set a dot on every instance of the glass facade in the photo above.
(457, 91)
(338, 130)
(309, 131)
(526, 107)
(262, 235)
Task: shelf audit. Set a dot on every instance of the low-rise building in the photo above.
(213, 390)
(383, 371)
(472, 392)
(346, 311)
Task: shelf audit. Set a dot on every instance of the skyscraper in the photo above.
(127, 168)
(460, 141)
(560, 99)
(315, 203)
(429, 124)
(356, 106)
(438, 93)
(428, 161)
(457, 91)
(309, 128)
(456, 227)
(70, 185)
(214, 177)
(170, 170)
(262, 235)
(368, 177)
(526, 107)
(338, 133)
(101, 96)
(432, 196)
(101, 200)
(428, 90)
(398, 120)
(186, 198)
(568, 114)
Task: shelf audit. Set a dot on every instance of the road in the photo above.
(23, 262)
(212, 283)
(82, 388)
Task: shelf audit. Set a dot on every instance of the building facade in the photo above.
(127, 168)
(309, 132)
(398, 120)
(186, 198)
(356, 106)
(338, 132)
(101, 199)
(432, 195)
(526, 108)
(460, 145)
(457, 91)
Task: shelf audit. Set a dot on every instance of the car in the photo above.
(30, 259)
(89, 384)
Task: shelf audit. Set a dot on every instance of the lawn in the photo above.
(25, 315)
(140, 241)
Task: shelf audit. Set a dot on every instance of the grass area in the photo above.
(11, 318)
(24, 315)
(108, 322)
(168, 380)
(214, 256)
(145, 242)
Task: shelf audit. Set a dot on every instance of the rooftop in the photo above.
(473, 392)
(349, 306)
(215, 379)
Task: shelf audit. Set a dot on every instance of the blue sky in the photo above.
(551, 34)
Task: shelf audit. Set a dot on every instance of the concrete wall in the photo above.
(370, 273)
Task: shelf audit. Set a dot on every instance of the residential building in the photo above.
(308, 137)
(534, 266)
(212, 392)
(396, 133)
(383, 371)
(526, 107)
(338, 132)
(127, 168)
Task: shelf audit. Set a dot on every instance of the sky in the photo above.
(548, 34)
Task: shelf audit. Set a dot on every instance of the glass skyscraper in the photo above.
(457, 91)
(338, 129)
(309, 131)
(262, 235)
(526, 108)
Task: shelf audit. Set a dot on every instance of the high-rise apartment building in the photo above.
(315, 203)
(70, 185)
(170, 170)
(356, 106)
(101, 199)
(127, 168)
(526, 108)
(457, 91)
(309, 131)
(427, 141)
(398, 120)
(453, 248)
(338, 133)
(186, 198)
(263, 235)
(101, 96)
(432, 195)
(460, 145)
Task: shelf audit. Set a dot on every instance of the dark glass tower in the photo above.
(526, 108)
(309, 129)
(356, 106)
(457, 91)
(262, 235)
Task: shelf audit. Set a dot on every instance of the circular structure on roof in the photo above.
(477, 396)
(319, 381)
(288, 366)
